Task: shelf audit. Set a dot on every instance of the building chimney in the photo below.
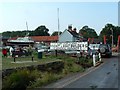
(70, 27)
(74, 29)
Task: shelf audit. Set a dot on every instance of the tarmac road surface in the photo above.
(106, 76)
(103, 76)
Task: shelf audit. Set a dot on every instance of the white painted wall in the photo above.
(65, 37)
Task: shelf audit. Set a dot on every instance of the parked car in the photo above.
(40, 46)
(105, 50)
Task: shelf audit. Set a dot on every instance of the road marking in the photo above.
(84, 74)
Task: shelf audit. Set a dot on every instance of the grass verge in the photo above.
(32, 79)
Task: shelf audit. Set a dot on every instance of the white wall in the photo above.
(65, 36)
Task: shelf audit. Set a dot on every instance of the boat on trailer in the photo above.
(21, 41)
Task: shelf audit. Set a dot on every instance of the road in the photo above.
(103, 76)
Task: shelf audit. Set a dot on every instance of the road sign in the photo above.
(69, 46)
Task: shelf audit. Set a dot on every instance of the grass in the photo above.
(41, 78)
(44, 79)
(6, 62)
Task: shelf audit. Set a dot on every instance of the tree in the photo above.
(87, 32)
(107, 31)
(55, 33)
(15, 33)
(116, 33)
(6, 34)
(41, 31)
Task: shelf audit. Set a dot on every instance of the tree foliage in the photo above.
(39, 31)
(15, 33)
(107, 31)
(55, 33)
(87, 32)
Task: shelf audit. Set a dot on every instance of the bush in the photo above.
(34, 78)
(76, 68)
(85, 63)
(45, 79)
(19, 79)
(71, 66)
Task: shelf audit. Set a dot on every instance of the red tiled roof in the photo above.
(13, 38)
(41, 38)
(44, 38)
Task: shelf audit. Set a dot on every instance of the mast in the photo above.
(27, 33)
(27, 25)
(58, 22)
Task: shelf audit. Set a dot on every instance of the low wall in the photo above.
(54, 66)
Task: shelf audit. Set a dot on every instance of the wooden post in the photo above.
(32, 58)
(14, 59)
(56, 53)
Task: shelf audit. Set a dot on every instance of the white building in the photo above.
(70, 35)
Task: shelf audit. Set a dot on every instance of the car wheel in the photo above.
(102, 50)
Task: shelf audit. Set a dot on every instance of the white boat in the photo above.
(21, 41)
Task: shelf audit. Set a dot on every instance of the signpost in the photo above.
(69, 46)
(76, 46)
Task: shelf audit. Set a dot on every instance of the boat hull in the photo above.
(20, 43)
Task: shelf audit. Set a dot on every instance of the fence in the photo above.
(96, 59)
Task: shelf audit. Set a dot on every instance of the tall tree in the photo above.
(6, 34)
(87, 32)
(15, 33)
(41, 31)
(116, 33)
(55, 33)
(107, 31)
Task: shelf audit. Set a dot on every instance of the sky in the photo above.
(13, 15)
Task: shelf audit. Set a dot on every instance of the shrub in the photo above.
(85, 63)
(76, 68)
(34, 78)
(45, 79)
(71, 66)
(19, 79)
